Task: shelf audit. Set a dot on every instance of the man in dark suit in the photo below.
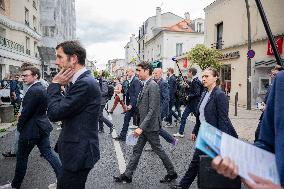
(34, 127)
(164, 104)
(134, 89)
(172, 81)
(79, 112)
(149, 126)
(195, 89)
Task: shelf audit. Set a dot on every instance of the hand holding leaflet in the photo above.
(247, 157)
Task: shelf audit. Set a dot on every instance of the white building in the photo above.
(131, 52)
(90, 65)
(19, 35)
(173, 41)
(152, 26)
(58, 24)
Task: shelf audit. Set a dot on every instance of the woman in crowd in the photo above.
(213, 108)
(118, 96)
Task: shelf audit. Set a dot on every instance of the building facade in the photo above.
(131, 52)
(226, 29)
(117, 67)
(58, 24)
(19, 35)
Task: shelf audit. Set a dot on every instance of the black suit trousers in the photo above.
(73, 180)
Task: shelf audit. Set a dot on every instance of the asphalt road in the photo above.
(150, 169)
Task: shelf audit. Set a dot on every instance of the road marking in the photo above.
(119, 154)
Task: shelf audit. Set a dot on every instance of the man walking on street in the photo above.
(164, 104)
(150, 123)
(34, 128)
(195, 89)
(131, 100)
(79, 110)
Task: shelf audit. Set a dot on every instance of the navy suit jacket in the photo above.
(216, 112)
(194, 93)
(271, 137)
(134, 89)
(33, 121)
(165, 97)
(78, 143)
(172, 81)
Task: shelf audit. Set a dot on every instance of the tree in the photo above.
(205, 57)
(96, 73)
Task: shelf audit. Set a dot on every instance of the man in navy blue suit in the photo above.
(34, 127)
(195, 88)
(172, 81)
(79, 111)
(134, 89)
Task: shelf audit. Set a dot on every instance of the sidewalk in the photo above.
(5, 128)
(245, 122)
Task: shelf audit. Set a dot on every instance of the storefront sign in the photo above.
(279, 45)
(230, 55)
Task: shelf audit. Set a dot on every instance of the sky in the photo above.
(104, 26)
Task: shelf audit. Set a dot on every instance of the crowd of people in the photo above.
(78, 100)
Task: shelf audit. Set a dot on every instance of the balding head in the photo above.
(158, 72)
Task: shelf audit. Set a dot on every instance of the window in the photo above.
(263, 84)
(34, 4)
(35, 49)
(219, 36)
(27, 17)
(178, 49)
(28, 51)
(35, 23)
(2, 4)
(199, 27)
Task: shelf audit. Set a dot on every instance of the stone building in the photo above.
(19, 35)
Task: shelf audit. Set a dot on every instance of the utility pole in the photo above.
(248, 59)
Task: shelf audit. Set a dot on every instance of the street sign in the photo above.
(250, 54)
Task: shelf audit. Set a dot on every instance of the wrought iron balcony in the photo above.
(11, 44)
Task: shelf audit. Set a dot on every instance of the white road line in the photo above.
(119, 154)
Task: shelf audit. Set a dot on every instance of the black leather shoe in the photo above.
(176, 186)
(119, 138)
(123, 178)
(8, 154)
(169, 178)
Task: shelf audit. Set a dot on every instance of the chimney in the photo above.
(158, 17)
(187, 16)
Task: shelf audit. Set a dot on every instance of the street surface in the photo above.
(150, 169)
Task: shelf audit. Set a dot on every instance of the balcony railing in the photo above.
(11, 44)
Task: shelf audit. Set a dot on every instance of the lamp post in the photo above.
(248, 59)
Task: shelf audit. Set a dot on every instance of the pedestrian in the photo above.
(15, 94)
(125, 86)
(104, 91)
(34, 128)
(148, 104)
(172, 81)
(271, 138)
(134, 89)
(79, 110)
(118, 96)
(194, 91)
(213, 108)
(164, 104)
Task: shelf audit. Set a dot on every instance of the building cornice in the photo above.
(17, 56)
(253, 41)
(19, 27)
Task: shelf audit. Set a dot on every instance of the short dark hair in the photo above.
(34, 70)
(171, 70)
(26, 64)
(193, 71)
(73, 48)
(146, 66)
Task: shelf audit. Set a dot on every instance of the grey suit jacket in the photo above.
(149, 107)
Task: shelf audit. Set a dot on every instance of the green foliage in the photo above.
(3, 130)
(96, 73)
(106, 73)
(205, 57)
